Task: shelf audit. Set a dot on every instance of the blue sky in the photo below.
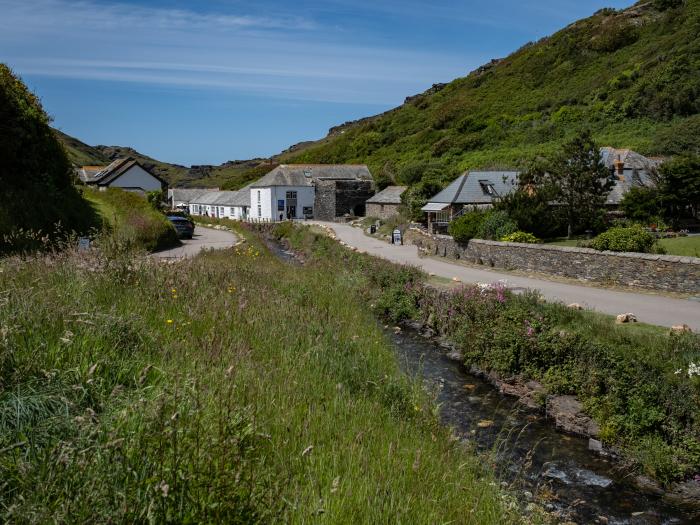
(209, 81)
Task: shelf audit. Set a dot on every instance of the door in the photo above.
(291, 211)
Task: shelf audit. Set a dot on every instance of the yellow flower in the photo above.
(174, 290)
(169, 321)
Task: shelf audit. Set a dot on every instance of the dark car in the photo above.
(184, 227)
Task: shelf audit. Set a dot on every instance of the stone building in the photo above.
(305, 191)
(385, 204)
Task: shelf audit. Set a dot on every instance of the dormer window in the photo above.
(307, 174)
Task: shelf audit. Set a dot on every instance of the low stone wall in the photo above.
(654, 272)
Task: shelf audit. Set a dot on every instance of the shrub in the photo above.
(641, 204)
(522, 237)
(495, 225)
(621, 239)
(466, 227)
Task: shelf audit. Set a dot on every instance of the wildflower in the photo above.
(169, 321)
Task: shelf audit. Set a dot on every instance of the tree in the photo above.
(642, 204)
(580, 182)
(415, 197)
(679, 187)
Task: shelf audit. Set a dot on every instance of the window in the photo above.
(308, 211)
(487, 188)
(291, 195)
(258, 195)
(222, 211)
(259, 211)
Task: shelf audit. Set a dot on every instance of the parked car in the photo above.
(183, 226)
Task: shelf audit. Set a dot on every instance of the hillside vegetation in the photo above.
(38, 196)
(130, 222)
(192, 393)
(630, 76)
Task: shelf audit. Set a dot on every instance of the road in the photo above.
(204, 238)
(652, 309)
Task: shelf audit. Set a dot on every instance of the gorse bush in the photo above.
(522, 237)
(624, 239)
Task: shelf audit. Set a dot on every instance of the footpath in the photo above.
(648, 308)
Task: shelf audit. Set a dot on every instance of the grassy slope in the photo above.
(79, 153)
(630, 77)
(131, 220)
(194, 392)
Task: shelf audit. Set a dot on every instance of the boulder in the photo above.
(626, 318)
(681, 329)
(568, 415)
(575, 306)
(685, 494)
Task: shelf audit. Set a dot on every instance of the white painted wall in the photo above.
(136, 177)
(268, 197)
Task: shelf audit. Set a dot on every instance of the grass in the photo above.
(682, 246)
(227, 388)
(639, 382)
(132, 222)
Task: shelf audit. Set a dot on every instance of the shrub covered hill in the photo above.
(38, 195)
(631, 76)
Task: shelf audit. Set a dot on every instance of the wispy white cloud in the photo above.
(279, 54)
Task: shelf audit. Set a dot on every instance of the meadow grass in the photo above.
(227, 388)
(681, 246)
(131, 221)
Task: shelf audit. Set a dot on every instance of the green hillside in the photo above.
(39, 202)
(631, 76)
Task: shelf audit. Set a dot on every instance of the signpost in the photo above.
(83, 244)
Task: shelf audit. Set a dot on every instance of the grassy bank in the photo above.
(227, 388)
(639, 383)
(131, 222)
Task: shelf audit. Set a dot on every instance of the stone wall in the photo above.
(654, 272)
(324, 202)
(382, 211)
(336, 198)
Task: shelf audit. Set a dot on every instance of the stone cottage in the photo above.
(385, 204)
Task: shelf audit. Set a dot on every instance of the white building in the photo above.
(222, 204)
(126, 174)
(283, 194)
(180, 198)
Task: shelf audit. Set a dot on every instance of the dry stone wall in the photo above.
(654, 272)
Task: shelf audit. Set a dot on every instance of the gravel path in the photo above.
(204, 238)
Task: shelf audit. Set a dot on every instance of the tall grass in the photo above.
(131, 221)
(226, 388)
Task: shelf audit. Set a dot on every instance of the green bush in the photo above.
(495, 225)
(522, 237)
(466, 227)
(624, 239)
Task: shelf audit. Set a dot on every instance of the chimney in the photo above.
(620, 168)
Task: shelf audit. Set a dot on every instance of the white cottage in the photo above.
(222, 204)
(126, 174)
(180, 198)
(283, 194)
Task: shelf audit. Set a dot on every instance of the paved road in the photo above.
(204, 238)
(652, 309)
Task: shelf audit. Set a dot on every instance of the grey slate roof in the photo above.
(188, 195)
(306, 174)
(637, 171)
(478, 187)
(389, 195)
(118, 167)
(224, 198)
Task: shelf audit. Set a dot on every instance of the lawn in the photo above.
(683, 246)
(229, 388)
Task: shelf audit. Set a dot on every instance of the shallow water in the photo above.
(529, 453)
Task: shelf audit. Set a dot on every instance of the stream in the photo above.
(553, 469)
(529, 453)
